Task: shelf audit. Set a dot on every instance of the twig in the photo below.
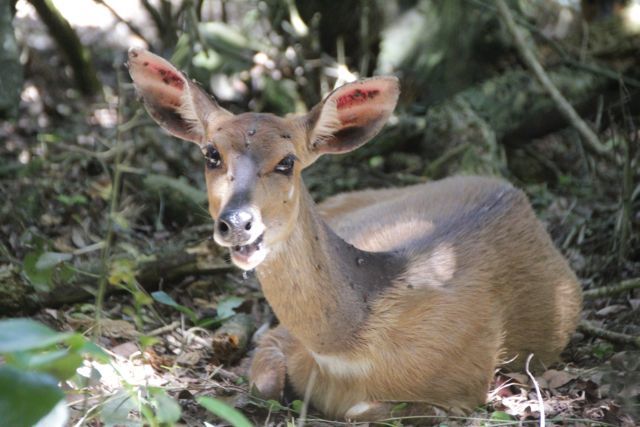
(307, 396)
(562, 51)
(164, 329)
(224, 374)
(133, 28)
(113, 207)
(615, 337)
(606, 72)
(538, 394)
(605, 291)
(591, 139)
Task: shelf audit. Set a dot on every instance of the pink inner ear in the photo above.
(168, 76)
(356, 97)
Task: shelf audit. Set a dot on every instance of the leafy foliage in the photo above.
(37, 359)
(224, 411)
(26, 397)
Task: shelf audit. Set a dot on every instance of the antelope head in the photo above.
(253, 161)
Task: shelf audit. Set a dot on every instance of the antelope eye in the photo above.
(212, 157)
(285, 167)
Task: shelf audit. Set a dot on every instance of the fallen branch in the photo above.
(591, 139)
(220, 372)
(615, 337)
(164, 329)
(607, 291)
(230, 341)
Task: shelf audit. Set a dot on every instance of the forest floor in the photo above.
(56, 175)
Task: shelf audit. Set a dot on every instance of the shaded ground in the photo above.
(56, 178)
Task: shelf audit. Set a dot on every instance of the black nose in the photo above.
(235, 223)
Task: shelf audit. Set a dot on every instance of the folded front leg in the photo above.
(268, 367)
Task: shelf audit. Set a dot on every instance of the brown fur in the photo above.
(383, 296)
(508, 293)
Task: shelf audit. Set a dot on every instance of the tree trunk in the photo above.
(10, 68)
(77, 55)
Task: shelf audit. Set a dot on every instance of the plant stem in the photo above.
(605, 291)
(614, 337)
(113, 207)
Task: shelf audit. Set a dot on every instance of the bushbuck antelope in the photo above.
(383, 296)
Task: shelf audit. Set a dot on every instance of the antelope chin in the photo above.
(249, 256)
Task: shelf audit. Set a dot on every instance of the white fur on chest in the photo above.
(342, 366)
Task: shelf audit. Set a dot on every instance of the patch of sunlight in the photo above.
(86, 12)
(632, 16)
(134, 371)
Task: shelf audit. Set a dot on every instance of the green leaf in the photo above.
(296, 405)
(115, 411)
(40, 279)
(92, 349)
(501, 416)
(49, 260)
(399, 407)
(376, 162)
(27, 334)
(122, 271)
(147, 341)
(602, 350)
(167, 409)
(120, 221)
(224, 411)
(26, 397)
(141, 298)
(274, 406)
(61, 364)
(40, 268)
(164, 298)
(76, 199)
(227, 306)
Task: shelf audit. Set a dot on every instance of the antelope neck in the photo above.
(321, 287)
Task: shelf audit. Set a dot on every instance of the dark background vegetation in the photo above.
(101, 209)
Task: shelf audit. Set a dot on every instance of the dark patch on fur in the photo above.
(474, 219)
(370, 274)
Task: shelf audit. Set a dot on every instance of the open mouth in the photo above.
(249, 256)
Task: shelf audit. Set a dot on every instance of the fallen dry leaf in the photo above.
(611, 309)
(557, 378)
(126, 349)
(159, 363)
(189, 358)
(521, 379)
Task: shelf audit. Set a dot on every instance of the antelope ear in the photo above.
(351, 115)
(175, 102)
